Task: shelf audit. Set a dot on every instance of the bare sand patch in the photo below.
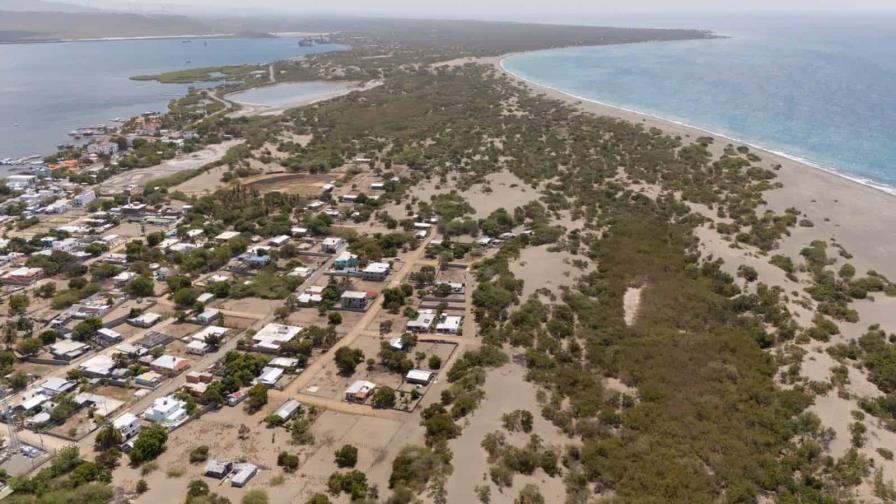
(631, 301)
(541, 268)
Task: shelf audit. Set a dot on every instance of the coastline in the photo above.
(854, 213)
(667, 124)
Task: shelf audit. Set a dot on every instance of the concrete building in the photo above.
(167, 411)
(270, 337)
(356, 300)
(128, 425)
(376, 271)
(359, 391)
(22, 276)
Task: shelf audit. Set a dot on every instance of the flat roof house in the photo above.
(98, 366)
(359, 391)
(128, 425)
(149, 379)
(208, 316)
(423, 323)
(449, 324)
(167, 411)
(269, 376)
(419, 377)
(68, 349)
(376, 271)
(227, 236)
(345, 260)
(22, 276)
(273, 335)
(356, 300)
(218, 469)
(146, 319)
(288, 409)
(331, 245)
(243, 473)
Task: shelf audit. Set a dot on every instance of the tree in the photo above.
(384, 397)
(18, 303)
(108, 437)
(347, 359)
(29, 346)
(86, 329)
(186, 296)
(529, 495)
(142, 486)
(347, 456)
(199, 454)
(288, 461)
(46, 290)
(435, 362)
(150, 443)
(334, 318)
(141, 287)
(318, 498)
(257, 397)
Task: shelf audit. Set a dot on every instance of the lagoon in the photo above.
(47, 90)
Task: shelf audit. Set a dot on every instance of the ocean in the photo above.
(47, 90)
(818, 88)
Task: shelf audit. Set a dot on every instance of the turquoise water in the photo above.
(47, 90)
(819, 89)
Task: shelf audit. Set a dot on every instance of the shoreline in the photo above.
(679, 127)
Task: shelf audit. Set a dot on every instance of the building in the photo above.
(146, 319)
(98, 366)
(68, 349)
(32, 403)
(287, 410)
(312, 296)
(103, 148)
(22, 276)
(149, 379)
(242, 474)
(21, 182)
(419, 377)
(359, 391)
(377, 186)
(54, 386)
(456, 288)
(107, 337)
(212, 330)
(449, 324)
(208, 316)
(302, 272)
(84, 198)
(272, 336)
(298, 231)
(269, 376)
(197, 347)
(167, 411)
(169, 365)
(218, 469)
(331, 245)
(278, 241)
(128, 425)
(287, 363)
(227, 236)
(256, 259)
(424, 321)
(376, 271)
(345, 260)
(356, 300)
(205, 297)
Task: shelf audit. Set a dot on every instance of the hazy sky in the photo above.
(488, 8)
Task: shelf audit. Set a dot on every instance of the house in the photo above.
(397, 344)
(302, 272)
(83, 199)
(376, 271)
(21, 182)
(94, 306)
(227, 236)
(149, 379)
(377, 186)
(236, 398)
(298, 231)
(169, 365)
(278, 241)
(419, 377)
(146, 319)
(103, 148)
(269, 376)
(107, 337)
(287, 410)
(345, 260)
(256, 259)
(167, 411)
(331, 245)
(102, 405)
(218, 469)
(198, 347)
(123, 278)
(212, 330)
(98, 366)
(456, 288)
(359, 391)
(242, 474)
(205, 297)
(356, 300)
(128, 425)
(423, 323)
(208, 316)
(422, 226)
(286, 363)
(68, 349)
(312, 296)
(32, 403)
(55, 386)
(273, 335)
(315, 205)
(130, 349)
(449, 324)
(22, 276)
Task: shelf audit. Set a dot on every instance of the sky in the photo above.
(485, 9)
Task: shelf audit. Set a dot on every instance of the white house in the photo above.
(332, 244)
(359, 391)
(54, 386)
(273, 335)
(128, 425)
(269, 376)
(167, 411)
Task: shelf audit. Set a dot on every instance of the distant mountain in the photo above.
(42, 6)
(18, 26)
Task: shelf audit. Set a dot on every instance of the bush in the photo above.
(347, 456)
(199, 454)
(255, 496)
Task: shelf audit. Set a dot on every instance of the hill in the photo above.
(17, 26)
